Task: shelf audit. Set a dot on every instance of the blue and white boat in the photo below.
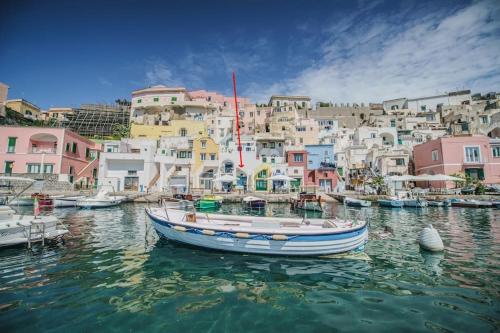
(392, 203)
(260, 235)
(352, 202)
(415, 203)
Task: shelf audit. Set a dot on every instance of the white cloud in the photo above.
(373, 58)
(105, 82)
(158, 73)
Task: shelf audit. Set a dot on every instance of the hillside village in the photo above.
(170, 139)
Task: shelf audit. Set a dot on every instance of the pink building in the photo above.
(38, 150)
(469, 155)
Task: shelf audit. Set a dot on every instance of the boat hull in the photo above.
(85, 204)
(207, 204)
(256, 204)
(15, 230)
(390, 203)
(66, 202)
(415, 203)
(357, 203)
(311, 246)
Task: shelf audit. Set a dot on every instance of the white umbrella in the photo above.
(281, 177)
(446, 178)
(225, 178)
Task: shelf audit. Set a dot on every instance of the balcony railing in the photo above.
(37, 150)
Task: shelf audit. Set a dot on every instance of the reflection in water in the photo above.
(113, 273)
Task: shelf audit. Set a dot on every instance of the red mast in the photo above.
(237, 120)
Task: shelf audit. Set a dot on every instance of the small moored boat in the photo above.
(62, 202)
(356, 202)
(101, 200)
(436, 203)
(260, 235)
(254, 202)
(472, 204)
(415, 203)
(209, 202)
(392, 203)
(307, 201)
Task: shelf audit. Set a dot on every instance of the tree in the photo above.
(120, 131)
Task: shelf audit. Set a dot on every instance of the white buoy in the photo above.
(430, 240)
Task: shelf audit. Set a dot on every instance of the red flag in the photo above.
(36, 207)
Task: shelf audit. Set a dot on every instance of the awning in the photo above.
(225, 178)
(281, 177)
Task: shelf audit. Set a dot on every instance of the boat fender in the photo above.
(208, 232)
(179, 228)
(280, 237)
(242, 235)
(430, 240)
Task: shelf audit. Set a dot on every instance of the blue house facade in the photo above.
(318, 154)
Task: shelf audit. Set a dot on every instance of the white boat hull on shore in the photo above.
(258, 243)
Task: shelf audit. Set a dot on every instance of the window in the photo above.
(495, 151)
(400, 161)
(33, 168)
(273, 160)
(87, 152)
(139, 101)
(11, 145)
(373, 135)
(298, 158)
(264, 159)
(251, 114)
(174, 99)
(132, 172)
(203, 156)
(423, 108)
(472, 154)
(156, 99)
(203, 144)
(272, 145)
(393, 122)
(212, 157)
(483, 119)
(435, 155)
(303, 104)
(183, 132)
(242, 114)
(73, 148)
(28, 112)
(163, 151)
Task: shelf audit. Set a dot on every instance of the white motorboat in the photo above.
(101, 200)
(260, 235)
(21, 229)
(62, 202)
(356, 202)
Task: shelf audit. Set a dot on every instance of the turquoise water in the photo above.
(113, 274)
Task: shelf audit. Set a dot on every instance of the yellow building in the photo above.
(261, 175)
(190, 128)
(27, 109)
(205, 161)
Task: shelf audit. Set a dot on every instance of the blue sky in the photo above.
(63, 53)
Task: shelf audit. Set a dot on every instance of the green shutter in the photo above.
(74, 148)
(480, 174)
(12, 145)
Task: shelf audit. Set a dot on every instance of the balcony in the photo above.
(40, 150)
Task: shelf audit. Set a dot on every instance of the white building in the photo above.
(128, 165)
(299, 102)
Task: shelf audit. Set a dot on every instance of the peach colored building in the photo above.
(469, 155)
(38, 150)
